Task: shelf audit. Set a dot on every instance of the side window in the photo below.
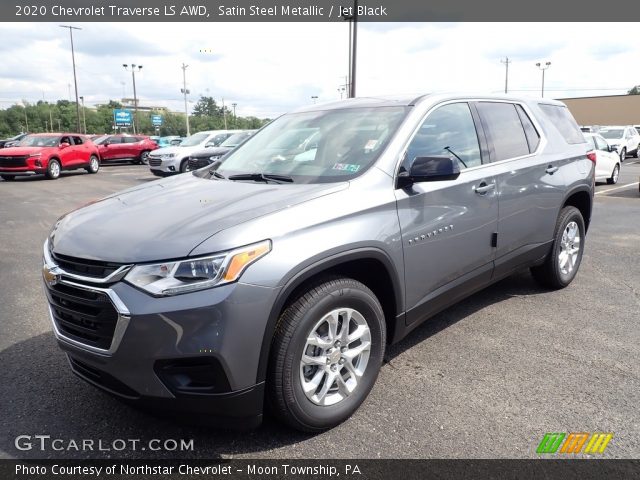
(505, 130)
(130, 139)
(448, 131)
(601, 144)
(563, 120)
(77, 140)
(533, 137)
(65, 140)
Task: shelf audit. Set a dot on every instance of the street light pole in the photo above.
(506, 62)
(135, 95)
(235, 121)
(185, 92)
(75, 81)
(543, 68)
(84, 118)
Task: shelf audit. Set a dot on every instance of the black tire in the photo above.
(623, 154)
(184, 165)
(550, 273)
(143, 159)
(53, 169)
(284, 385)
(94, 164)
(635, 153)
(613, 179)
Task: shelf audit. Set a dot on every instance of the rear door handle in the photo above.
(551, 169)
(484, 187)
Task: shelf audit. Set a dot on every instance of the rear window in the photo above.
(563, 120)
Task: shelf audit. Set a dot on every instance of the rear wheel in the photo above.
(563, 261)
(8, 178)
(53, 169)
(613, 179)
(635, 153)
(326, 354)
(94, 164)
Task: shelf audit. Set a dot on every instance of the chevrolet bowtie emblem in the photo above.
(51, 275)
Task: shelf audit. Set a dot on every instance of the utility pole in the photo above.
(84, 118)
(506, 62)
(135, 94)
(235, 121)
(354, 50)
(26, 120)
(75, 81)
(543, 68)
(185, 92)
(224, 114)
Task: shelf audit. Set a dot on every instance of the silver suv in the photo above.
(283, 272)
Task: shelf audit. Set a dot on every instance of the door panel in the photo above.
(446, 226)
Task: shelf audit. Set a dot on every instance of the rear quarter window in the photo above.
(562, 119)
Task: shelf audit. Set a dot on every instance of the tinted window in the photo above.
(505, 130)
(78, 140)
(130, 139)
(563, 120)
(65, 140)
(533, 137)
(448, 131)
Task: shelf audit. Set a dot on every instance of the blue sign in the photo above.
(122, 118)
(156, 120)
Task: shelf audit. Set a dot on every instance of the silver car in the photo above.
(271, 277)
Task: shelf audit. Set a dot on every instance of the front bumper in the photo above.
(196, 353)
(164, 165)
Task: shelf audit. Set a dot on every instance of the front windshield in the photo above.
(39, 141)
(317, 147)
(195, 139)
(613, 134)
(235, 139)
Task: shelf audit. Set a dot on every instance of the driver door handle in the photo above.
(551, 169)
(484, 187)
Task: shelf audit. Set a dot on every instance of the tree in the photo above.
(634, 91)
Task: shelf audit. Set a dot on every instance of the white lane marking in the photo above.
(617, 188)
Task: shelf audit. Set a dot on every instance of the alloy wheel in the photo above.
(569, 248)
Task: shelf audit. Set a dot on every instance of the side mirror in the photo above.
(106, 144)
(429, 169)
(64, 145)
(209, 145)
(613, 148)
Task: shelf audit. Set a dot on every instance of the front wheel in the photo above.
(613, 179)
(326, 354)
(623, 154)
(143, 159)
(563, 261)
(53, 169)
(184, 165)
(94, 164)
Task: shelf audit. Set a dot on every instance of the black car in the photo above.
(13, 141)
(209, 155)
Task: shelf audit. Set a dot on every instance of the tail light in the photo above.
(592, 156)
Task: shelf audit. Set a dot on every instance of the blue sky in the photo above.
(270, 68)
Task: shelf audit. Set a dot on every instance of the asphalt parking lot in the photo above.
(484, 379)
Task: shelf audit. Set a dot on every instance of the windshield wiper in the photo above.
(448, 149)
(262, 177)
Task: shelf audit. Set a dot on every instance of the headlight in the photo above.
(182, 276)
(215, 157)
(34, 155)
(168, 155)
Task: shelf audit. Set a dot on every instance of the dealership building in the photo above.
(607, 110)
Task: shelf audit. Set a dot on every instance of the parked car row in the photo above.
(13, 141)
(625, 139)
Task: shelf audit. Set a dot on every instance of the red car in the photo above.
(125, 147)
(49, 153)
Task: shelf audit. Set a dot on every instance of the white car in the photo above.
(607, 159)
(175, 159)
(625, 139)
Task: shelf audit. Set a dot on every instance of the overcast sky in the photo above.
(270, 68)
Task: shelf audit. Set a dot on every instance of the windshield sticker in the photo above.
(371, 144)
(346, 166)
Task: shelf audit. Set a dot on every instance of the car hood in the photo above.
(167, 219)
(167, 150)
(210, 152)
(23, 150)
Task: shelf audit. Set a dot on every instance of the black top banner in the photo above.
(316, 11)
